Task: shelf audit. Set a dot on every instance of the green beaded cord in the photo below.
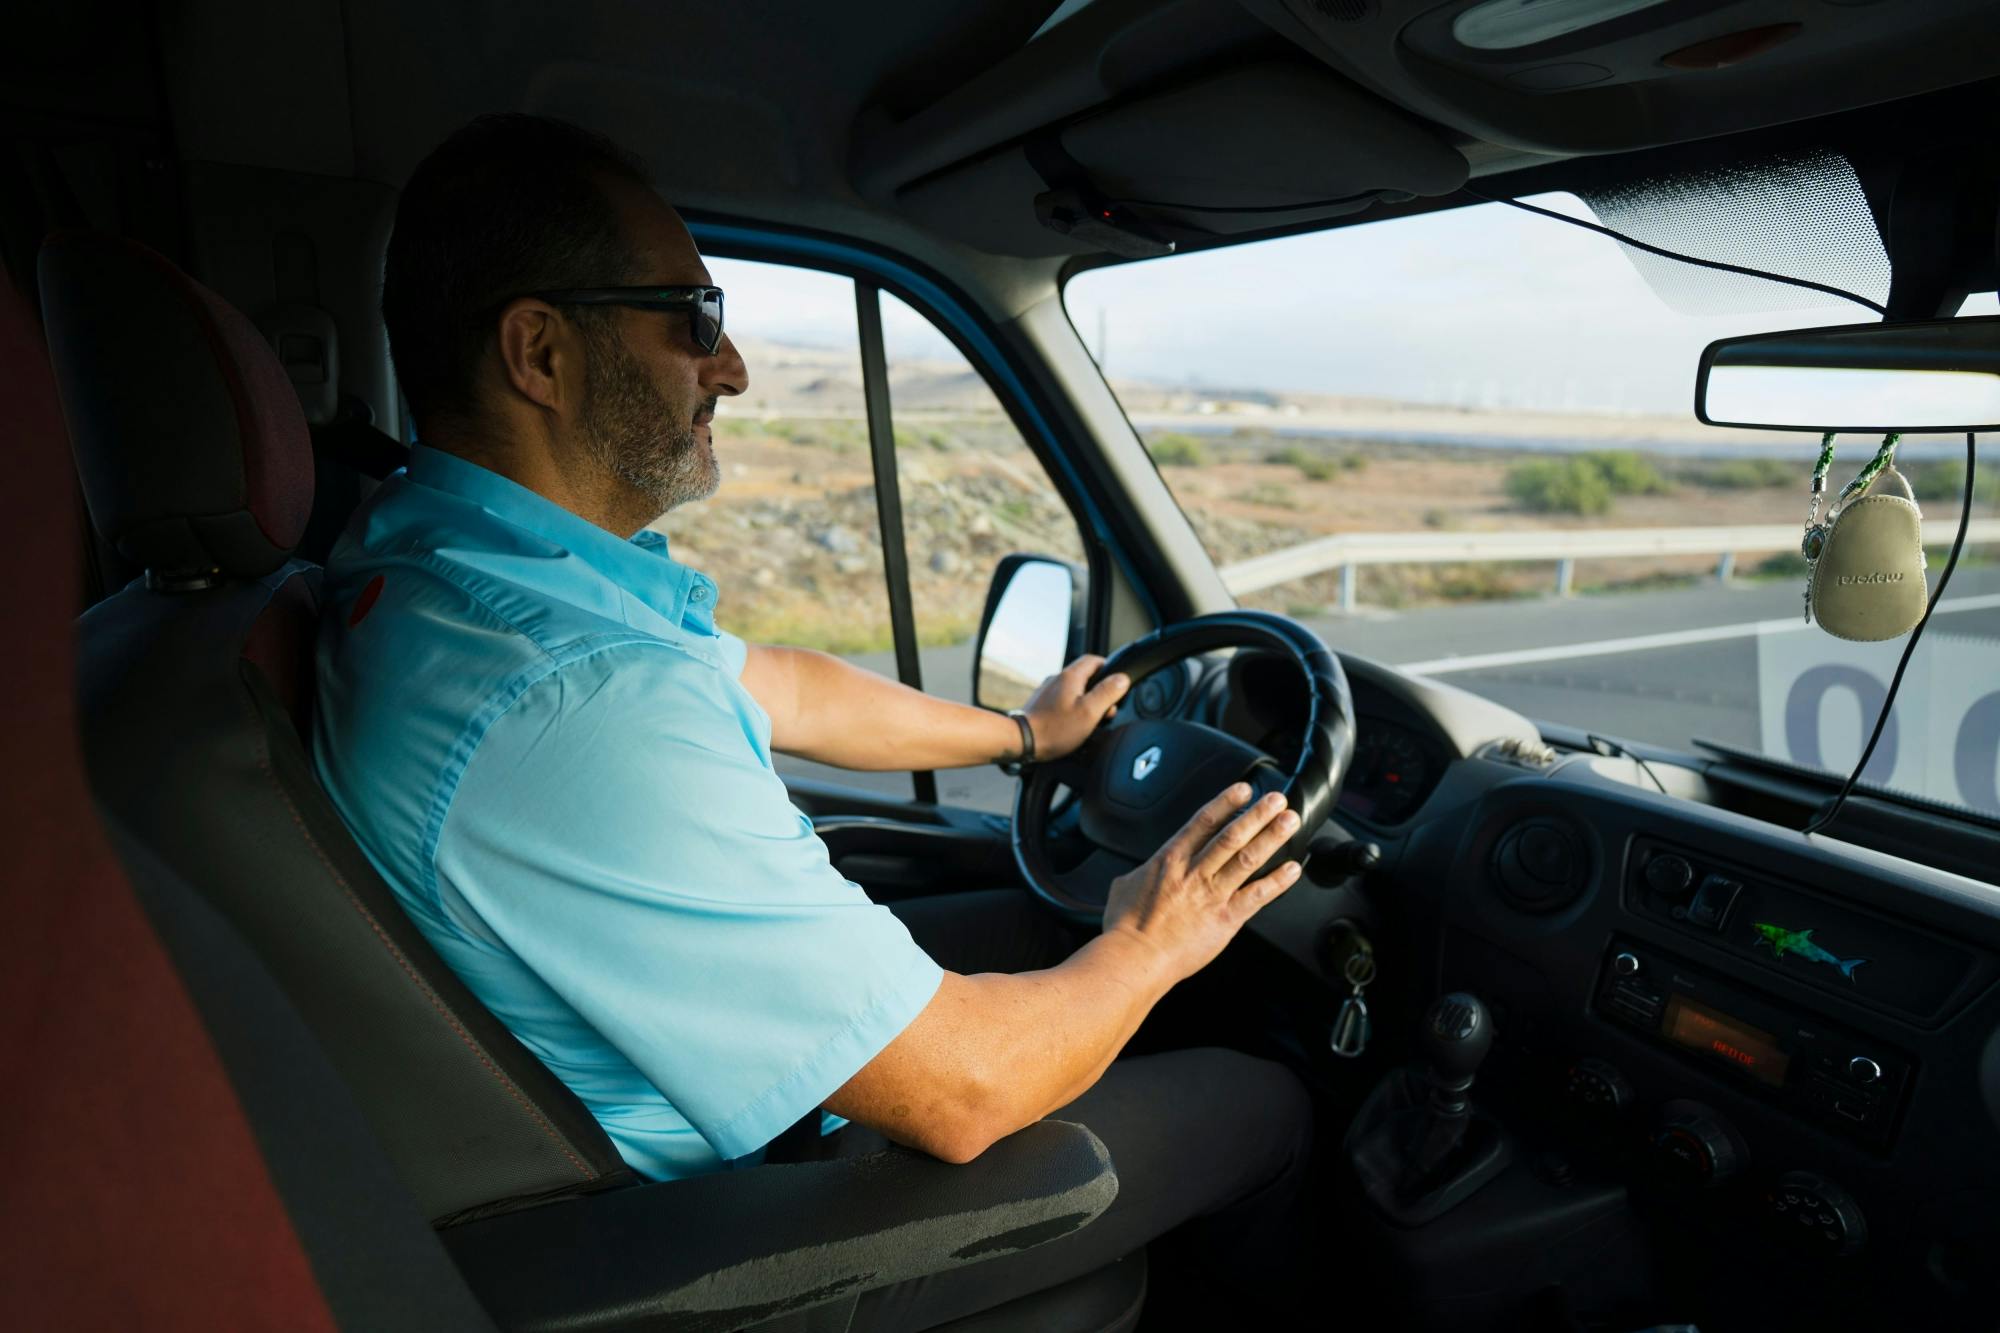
(1884, 455)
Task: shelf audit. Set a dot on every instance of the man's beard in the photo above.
(636, 435)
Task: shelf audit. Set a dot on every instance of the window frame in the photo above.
(1007, 377)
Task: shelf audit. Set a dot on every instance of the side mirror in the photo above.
(1033, 627)
(1932, 375)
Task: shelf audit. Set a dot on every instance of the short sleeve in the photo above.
(619, 831)
(734, 652)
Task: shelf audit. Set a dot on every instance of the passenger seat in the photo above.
(180, 1155)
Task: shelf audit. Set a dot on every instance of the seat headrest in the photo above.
(189, 436)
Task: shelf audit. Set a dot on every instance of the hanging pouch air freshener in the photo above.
(1868, 580)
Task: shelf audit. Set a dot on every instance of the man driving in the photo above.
(534, 728)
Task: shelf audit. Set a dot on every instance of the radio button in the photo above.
(1695, 1149)
(1626, 964)
(1864, 1070)
(1670, 876)
(1712, 901)
(1810, 1210)
(1635, 1002)
(1599, 1087)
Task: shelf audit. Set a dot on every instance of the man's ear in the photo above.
(536, 353)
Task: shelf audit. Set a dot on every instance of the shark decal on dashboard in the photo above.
(1800, 942)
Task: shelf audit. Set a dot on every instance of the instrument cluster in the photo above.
(1395, 765)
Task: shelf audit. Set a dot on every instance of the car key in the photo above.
(1351, 1026)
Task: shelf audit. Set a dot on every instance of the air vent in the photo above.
(1541, 865)
(1342, 11)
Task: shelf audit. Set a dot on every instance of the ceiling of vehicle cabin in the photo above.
(934, 128)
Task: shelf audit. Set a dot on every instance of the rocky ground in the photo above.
(794, 540)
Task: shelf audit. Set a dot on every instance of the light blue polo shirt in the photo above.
(538, 736)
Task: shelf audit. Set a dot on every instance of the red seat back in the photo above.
(136, 1195)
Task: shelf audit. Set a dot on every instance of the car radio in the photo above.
(1833, 1076)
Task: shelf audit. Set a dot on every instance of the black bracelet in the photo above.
(1027, 737)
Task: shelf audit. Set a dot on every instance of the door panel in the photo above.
(896, 848)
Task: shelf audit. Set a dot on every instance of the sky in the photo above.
(787, 305)
(1484, 307)
(1480, 307)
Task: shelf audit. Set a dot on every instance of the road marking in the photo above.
(1640, 643)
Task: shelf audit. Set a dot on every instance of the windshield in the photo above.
(1463, 443)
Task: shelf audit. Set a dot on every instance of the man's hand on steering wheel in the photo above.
(1191, 897)
(1064, 714)
(1144, 777)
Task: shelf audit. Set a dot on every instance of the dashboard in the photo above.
(1780, 1048)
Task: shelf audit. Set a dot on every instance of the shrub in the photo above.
(1568, 486)
(1353, 462)
(1742, 474)
(1473, 583)
(1946, 481)
(843, 436)
(1783, 565)
(1583, 484)
(1312, 466)
(1626, 472)
(1176, 450)
(914, 437)
(1269, 493)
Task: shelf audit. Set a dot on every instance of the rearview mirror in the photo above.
(1032, 628)
(1934, 375)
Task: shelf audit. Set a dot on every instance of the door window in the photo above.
(972, 492)
(793, 535)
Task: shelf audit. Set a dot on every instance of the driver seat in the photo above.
(195, 691)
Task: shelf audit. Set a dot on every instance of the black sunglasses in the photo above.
(703, 304)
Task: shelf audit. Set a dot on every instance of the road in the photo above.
(1610, 663)
(1661, 666)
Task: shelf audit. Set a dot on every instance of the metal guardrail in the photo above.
(1565, 546)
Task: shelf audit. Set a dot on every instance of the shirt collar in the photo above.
(639, 566)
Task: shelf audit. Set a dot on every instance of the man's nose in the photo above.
(724, 374)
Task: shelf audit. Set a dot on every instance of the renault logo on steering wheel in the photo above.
(1143, 766)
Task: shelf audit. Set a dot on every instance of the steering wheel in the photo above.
(1138, 782)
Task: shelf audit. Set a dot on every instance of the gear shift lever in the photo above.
(1456, 1036)
(1416, 1145)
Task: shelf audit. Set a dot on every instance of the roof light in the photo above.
(1502, 25)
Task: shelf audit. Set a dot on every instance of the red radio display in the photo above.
(1720, 1037)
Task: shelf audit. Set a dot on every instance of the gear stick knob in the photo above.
(1424, 1149)
(1456, 1036)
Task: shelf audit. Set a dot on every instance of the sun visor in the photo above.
(1252, 147)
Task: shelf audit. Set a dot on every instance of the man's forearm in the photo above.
(998, 1051)
(824, 709)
